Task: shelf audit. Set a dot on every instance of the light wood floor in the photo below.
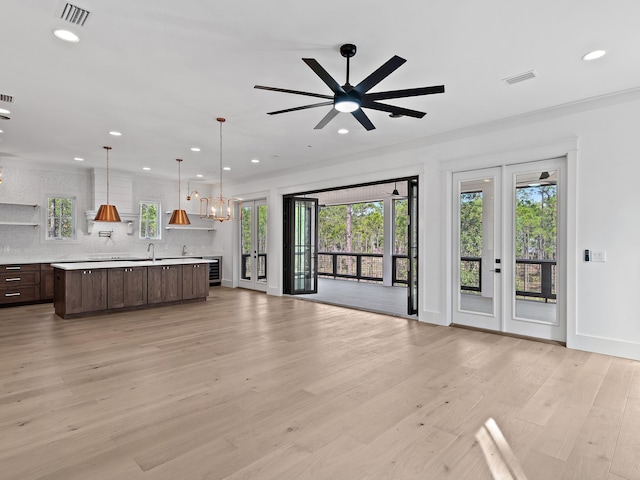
(248, 386)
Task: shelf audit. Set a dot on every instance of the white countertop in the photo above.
(130, 263)
(94, 258)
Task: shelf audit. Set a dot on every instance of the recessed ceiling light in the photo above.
(255, 160)
(114, 133)
(4, 111)
(66, 35)
(199, 175)
(195, 149)
(227, 168)
(78, 159)
(593, 55)
(343, 131)
(146, 168)
(1, 131)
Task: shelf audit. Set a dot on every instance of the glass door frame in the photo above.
(486, 320)
(556, 330)
(254, 282)
(300, 243)
(506, 320)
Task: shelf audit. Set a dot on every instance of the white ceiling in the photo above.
(161, 71)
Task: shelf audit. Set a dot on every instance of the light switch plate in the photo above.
(598, 255)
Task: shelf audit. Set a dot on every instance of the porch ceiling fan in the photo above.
(352, 99)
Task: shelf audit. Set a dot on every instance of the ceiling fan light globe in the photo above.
(346, 105)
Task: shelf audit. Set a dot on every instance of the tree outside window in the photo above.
(60, 218)
(149, 220)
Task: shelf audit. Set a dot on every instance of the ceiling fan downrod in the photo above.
(348, 50)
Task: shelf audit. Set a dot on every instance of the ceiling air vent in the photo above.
(6, 98)
(73, 14)
(520, 77)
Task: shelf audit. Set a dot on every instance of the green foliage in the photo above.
(536, 222)
(471, 224)
(363, 228)
(245, 229)
(60, 222)
(149, 225)
(401, 227)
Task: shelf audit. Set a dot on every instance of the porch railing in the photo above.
(534, 278)
(361, 266)
(245, 266)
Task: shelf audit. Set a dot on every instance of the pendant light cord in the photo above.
(107, 149)
(221, 121)
(179, 162)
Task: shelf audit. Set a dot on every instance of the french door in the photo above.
(509, 249)
(300, 246)
(253, 245)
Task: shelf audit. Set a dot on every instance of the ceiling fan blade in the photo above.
(304, 107)
(392, 109)
(324, 76)
(380, 74)
(296, 92)
(326, 119)
(408, 92)
(363, 119)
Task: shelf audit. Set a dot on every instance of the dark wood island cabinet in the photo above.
(127, 287)
(113, 286)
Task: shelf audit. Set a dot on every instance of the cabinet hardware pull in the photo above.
(12, 294)
(12, 268)
(17, 279)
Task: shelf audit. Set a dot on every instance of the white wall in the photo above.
(22, 184)
(605, 312)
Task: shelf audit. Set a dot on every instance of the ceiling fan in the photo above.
(352, 99)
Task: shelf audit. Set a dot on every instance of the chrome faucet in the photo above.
(184, 250)
(152, 247)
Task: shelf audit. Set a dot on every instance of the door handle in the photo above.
(497, 270)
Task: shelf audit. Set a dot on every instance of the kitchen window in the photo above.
(150, 220)
(60, 219)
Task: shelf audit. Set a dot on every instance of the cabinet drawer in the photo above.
(19, 278)
(19, 294)
(20, 267)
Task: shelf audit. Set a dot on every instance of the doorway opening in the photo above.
(354, 246)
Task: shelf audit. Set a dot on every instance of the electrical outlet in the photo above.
(5, 249)
(598, 255)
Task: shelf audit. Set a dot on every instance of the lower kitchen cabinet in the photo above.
(127, 287)
(19, 283)
(164, 283)
(195, 280)
(80, 291)
(46, 282)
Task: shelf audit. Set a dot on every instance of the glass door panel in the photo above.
(305, 240)
(261, 242)
(412, 290)
(253, 245)
(246, 247)
(536, 251)
(476, 258)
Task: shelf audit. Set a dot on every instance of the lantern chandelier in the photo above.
(218, 208)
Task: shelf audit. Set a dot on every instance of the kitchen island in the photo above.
(90, 288)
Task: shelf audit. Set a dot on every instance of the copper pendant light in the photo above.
(179, 217)
(107, 212)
